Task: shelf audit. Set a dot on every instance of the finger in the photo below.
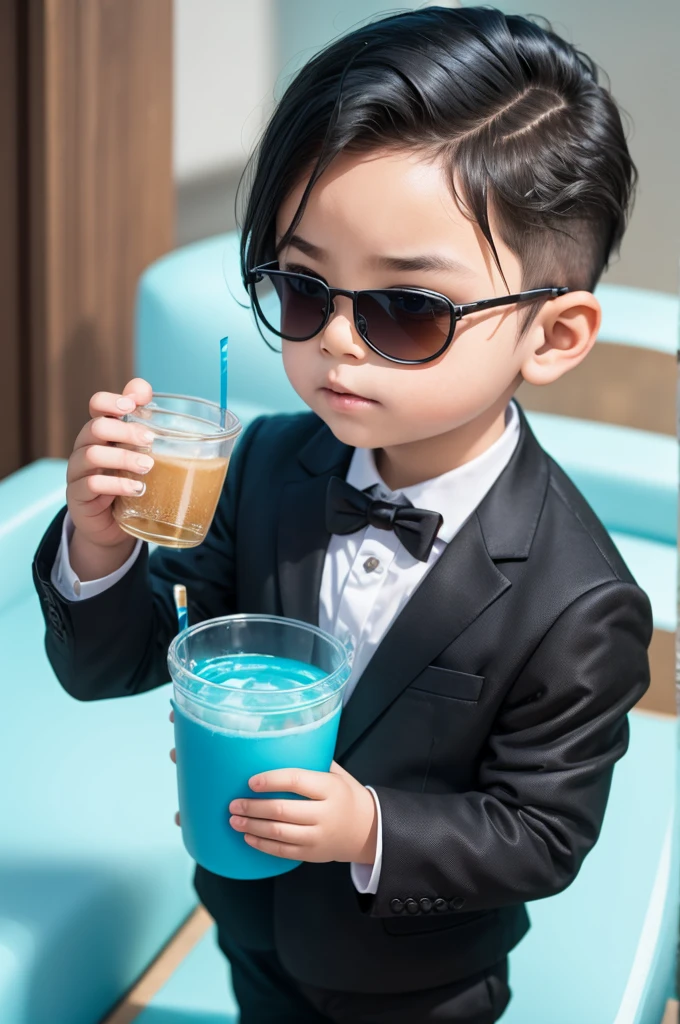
(337, 769)
(136, 392)
(110, 403)
(173, 756)
(177, 821)
(284, 850)
(91, 458)
(292, 780)
(139, 389)
(280, 832)
(107, 430)
(89, 487)
(172, 716)
(297, 812)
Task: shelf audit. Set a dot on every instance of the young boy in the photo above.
(433, 203)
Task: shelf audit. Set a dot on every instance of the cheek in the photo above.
(486, 354)
(471, 375)
(297, 363)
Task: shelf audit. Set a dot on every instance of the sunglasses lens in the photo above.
(292, 305)
(404, 324)
(400, 324)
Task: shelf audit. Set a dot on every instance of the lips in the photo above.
(345, 401)
(340, 390)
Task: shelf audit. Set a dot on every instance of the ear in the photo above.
(561, 337)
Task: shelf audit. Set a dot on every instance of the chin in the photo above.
(358, 435)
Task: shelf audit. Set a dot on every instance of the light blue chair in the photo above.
(93, 877)
(625, 899)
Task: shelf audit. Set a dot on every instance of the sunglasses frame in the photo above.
(457, 312)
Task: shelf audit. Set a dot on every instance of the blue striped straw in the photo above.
(223, 375)
(180, 594)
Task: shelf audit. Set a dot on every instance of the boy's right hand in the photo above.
(90, 484)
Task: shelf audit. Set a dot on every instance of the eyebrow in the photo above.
(426, 261)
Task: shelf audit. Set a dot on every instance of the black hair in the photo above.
(515, 111)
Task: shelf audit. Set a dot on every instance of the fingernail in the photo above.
(145, 462)
(126, 404)
(146, 436)
(137, 486)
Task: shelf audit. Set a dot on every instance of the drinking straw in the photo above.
(223, 376)
(180, 594)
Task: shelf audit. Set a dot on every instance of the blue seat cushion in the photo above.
(94, 878)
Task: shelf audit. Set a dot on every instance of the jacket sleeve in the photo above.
(115, 643)
(544, 778)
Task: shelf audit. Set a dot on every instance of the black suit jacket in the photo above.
(488, 720)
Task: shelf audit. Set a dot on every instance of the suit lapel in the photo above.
(463, 582)
(302, 546)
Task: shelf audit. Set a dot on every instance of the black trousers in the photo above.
(267, 994)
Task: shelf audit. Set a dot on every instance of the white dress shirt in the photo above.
(368, 576)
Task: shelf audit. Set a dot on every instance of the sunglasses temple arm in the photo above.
(507, 299)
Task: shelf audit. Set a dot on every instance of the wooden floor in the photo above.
(184, 939)
(672, 1014)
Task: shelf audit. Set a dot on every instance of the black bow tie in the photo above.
(348, 510)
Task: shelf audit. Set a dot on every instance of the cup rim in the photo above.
(256, 617)
(234, 428)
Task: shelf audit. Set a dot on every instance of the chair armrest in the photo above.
(29, 500)
(638, 317)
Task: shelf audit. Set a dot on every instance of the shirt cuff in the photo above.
(367, 876)
(65, 581)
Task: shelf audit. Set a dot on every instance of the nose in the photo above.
(339, 337)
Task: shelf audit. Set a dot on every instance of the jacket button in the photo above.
(440, 906)
(426, 905)
(411, 906)
(397, 906)
(457, 903)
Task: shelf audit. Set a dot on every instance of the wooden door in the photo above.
(87, 187)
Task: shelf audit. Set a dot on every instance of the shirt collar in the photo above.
(454, 494)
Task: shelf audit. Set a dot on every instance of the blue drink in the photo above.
(237, 714)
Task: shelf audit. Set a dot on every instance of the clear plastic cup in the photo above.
(250, 693)
(191, 450)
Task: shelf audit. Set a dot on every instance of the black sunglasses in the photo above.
(404, 325)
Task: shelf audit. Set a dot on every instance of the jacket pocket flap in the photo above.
(446, 682)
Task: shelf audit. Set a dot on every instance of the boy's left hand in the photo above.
(338, 822)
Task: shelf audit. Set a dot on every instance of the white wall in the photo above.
(224, 73)
(304, 26)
